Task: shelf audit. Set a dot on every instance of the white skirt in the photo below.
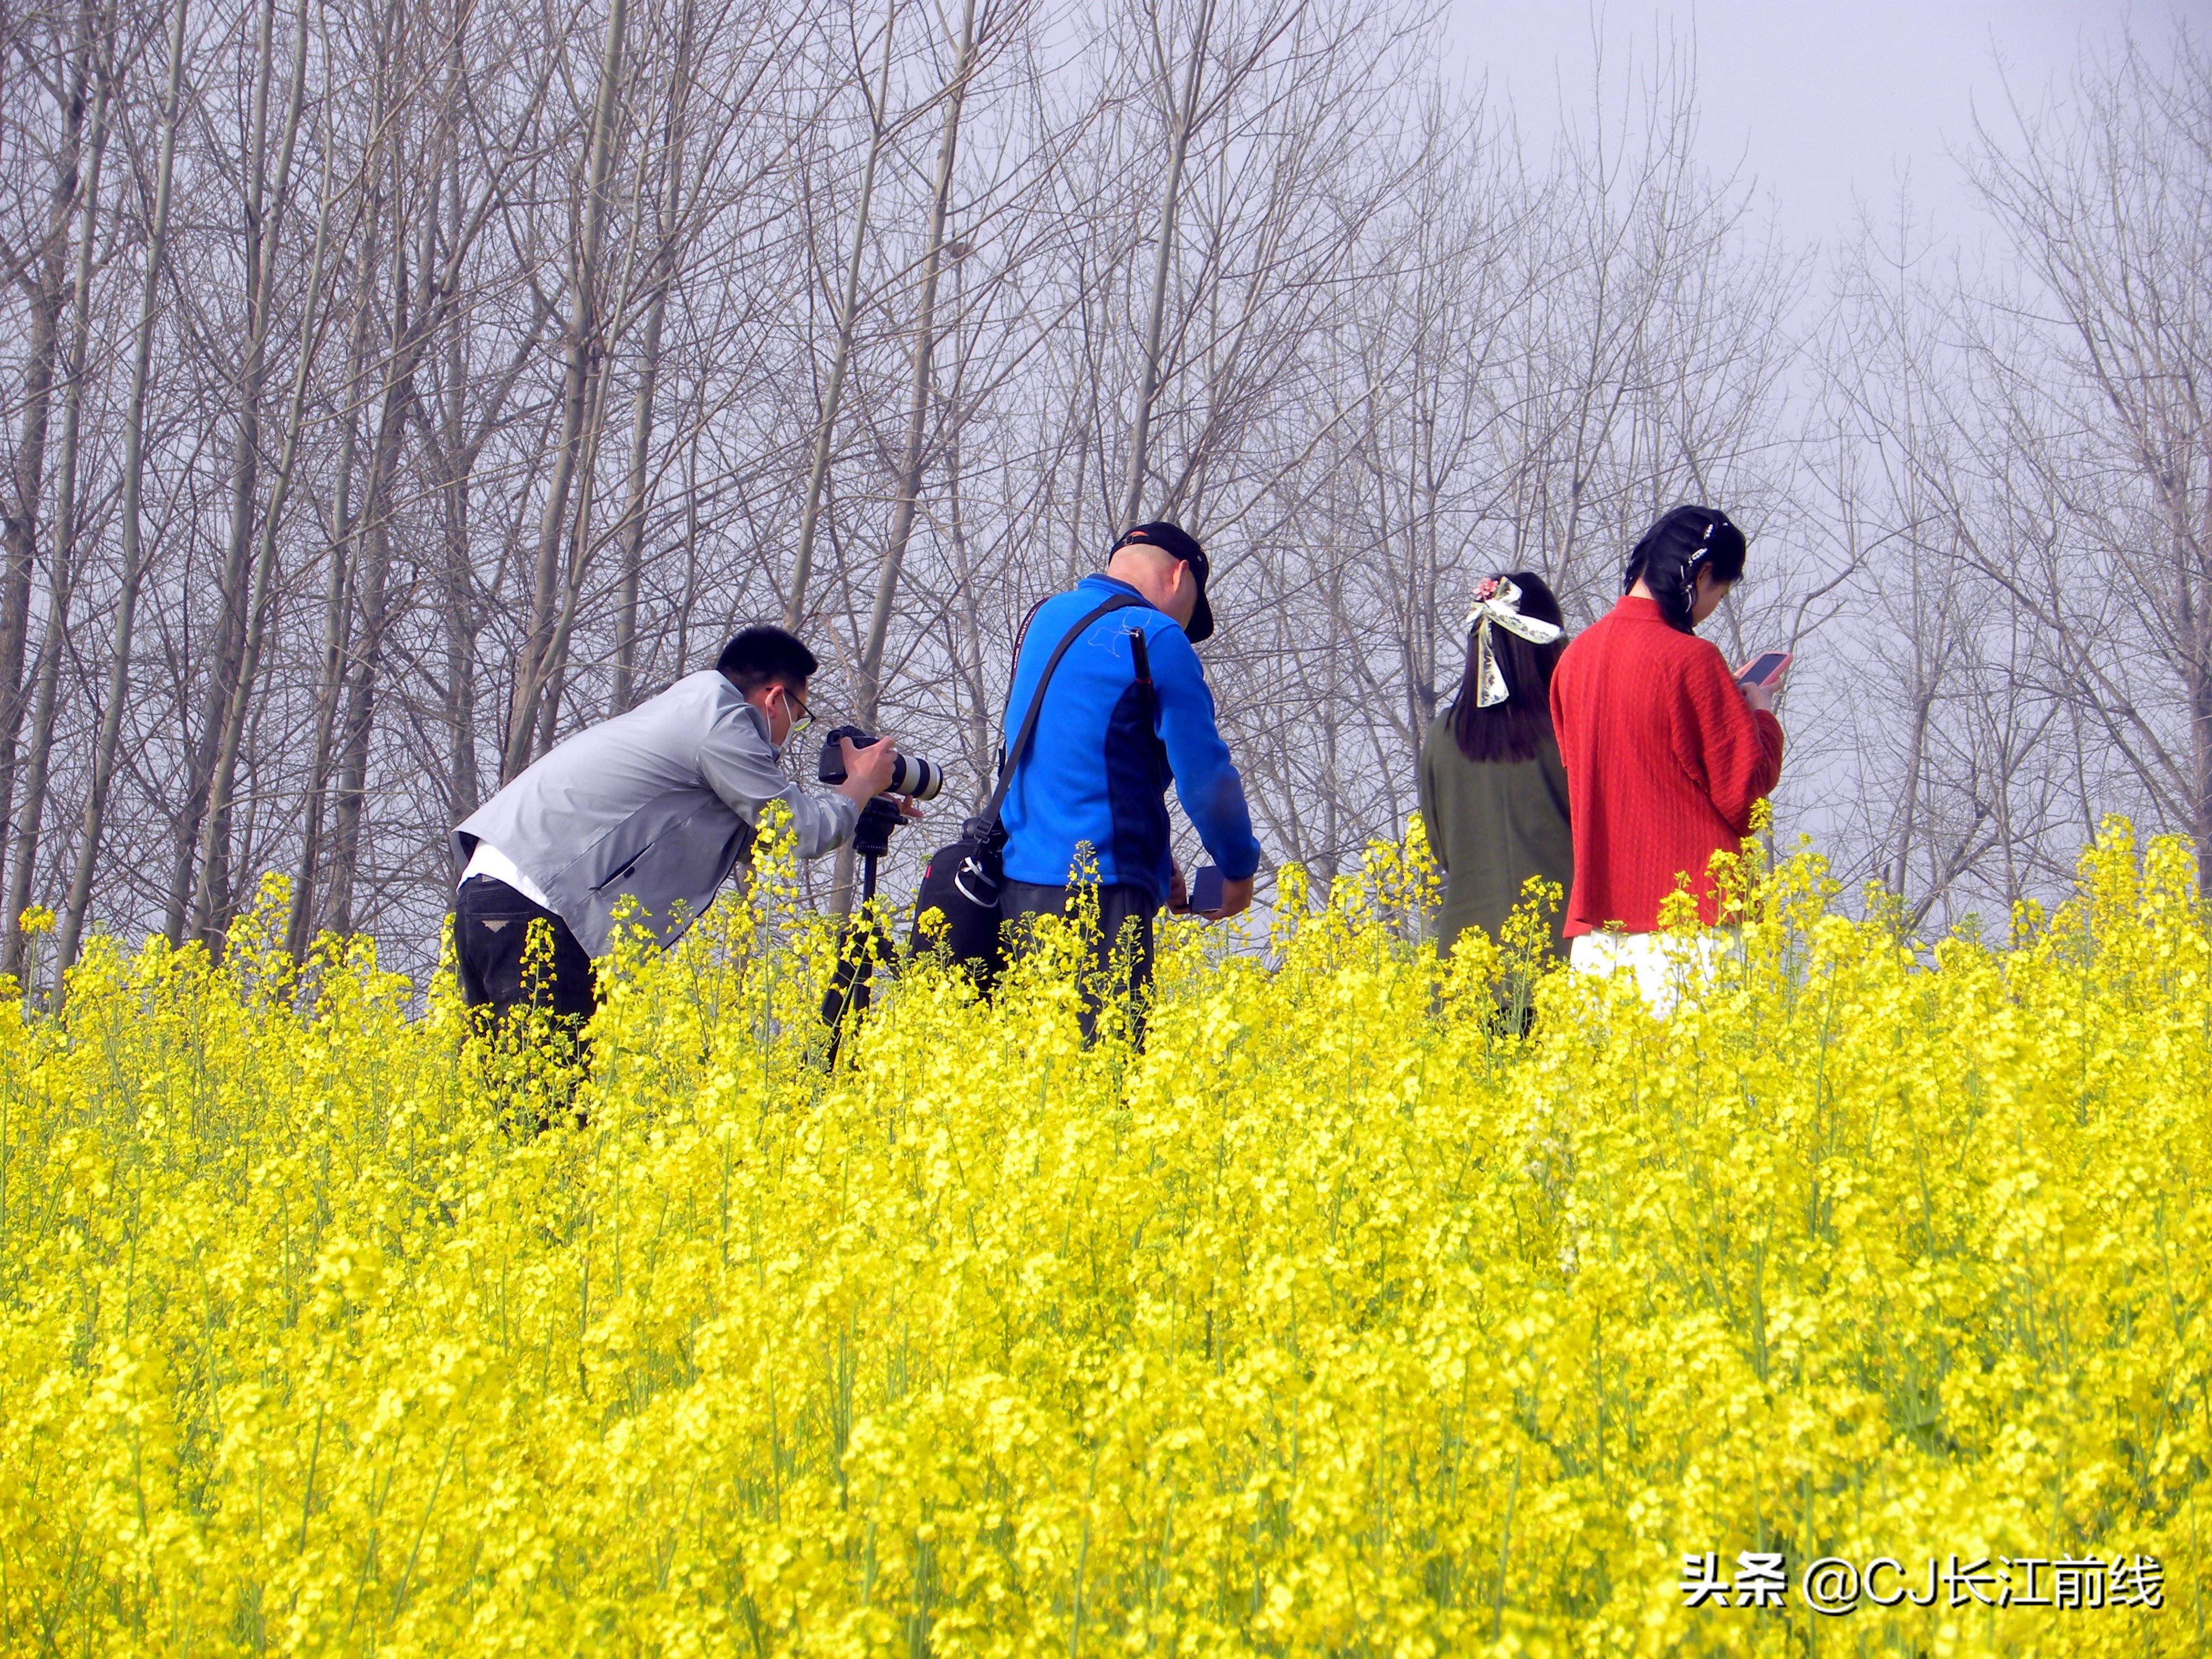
(1667, 966)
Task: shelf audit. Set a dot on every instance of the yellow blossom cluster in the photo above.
(1352, 1314)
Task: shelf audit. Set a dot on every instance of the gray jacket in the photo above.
(656, 805)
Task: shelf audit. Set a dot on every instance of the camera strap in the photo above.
(1143, 659)
(989, 817)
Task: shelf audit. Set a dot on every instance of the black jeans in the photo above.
(1121, 959)
(491, 928)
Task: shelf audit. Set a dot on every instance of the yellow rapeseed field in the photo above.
(1342, 1319)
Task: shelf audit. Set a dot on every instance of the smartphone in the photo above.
(1764, 669)
(1206, 889)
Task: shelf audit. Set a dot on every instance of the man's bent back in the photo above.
(655, 806)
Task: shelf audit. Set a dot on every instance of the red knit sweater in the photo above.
(1665, 760)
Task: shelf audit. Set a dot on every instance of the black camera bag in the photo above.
(963, 881)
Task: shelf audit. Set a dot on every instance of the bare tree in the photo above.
(2026, 462)
(1182, 123)
(2109, 206)
(475, 362)
(42, 271)
(582, 348)
(134, 564)
(266, 194)
(848, 315)
(62, 557)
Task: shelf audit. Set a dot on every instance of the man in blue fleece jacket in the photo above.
(1090, 789)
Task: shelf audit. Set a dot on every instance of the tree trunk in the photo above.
(535, 669)
(1148, 382)
(337, 598)
(410, 327)
(134, 565)
(262, 241)
(352, 790)
(555, 678)
(461, 627)
(2197, 618)
(848, 312)
(870, 688)
(967, 637)
(636, 496)
(463, 606)
(62, 566)
(21, 528)
(463, 616)
(211, 909)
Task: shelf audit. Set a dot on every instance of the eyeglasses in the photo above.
(801, 715)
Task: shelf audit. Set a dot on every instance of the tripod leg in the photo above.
(857, 949)
(866, 967)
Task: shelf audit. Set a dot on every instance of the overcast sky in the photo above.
(1826, 103)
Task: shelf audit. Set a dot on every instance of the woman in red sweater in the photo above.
(1665, 752)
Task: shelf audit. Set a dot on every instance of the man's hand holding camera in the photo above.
(863, 767)
(868, 773)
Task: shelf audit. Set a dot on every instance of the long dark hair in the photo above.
(1510, 731)
(1682, 541)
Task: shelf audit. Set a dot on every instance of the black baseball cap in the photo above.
(1177, 542)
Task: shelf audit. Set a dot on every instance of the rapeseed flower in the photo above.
(1347, 1314)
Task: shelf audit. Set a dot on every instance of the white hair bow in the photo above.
(1498, 601)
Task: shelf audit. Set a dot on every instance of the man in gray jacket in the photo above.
(656, 805)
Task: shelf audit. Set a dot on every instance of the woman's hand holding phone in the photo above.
(1761, 678)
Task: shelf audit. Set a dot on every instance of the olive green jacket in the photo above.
(1492, 825)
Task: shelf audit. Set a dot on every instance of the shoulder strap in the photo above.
(1021, 743)
(1144, 679)
(1022, 634)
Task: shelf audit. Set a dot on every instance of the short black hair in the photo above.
(1682, 541)
(763, 656)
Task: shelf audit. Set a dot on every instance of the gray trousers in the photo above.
(1122, 957)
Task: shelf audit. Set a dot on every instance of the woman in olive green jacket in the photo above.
(1493, 793)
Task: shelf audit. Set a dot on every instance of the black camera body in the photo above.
(910, 774)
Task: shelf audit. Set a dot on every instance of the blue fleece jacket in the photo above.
(1097, 772)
